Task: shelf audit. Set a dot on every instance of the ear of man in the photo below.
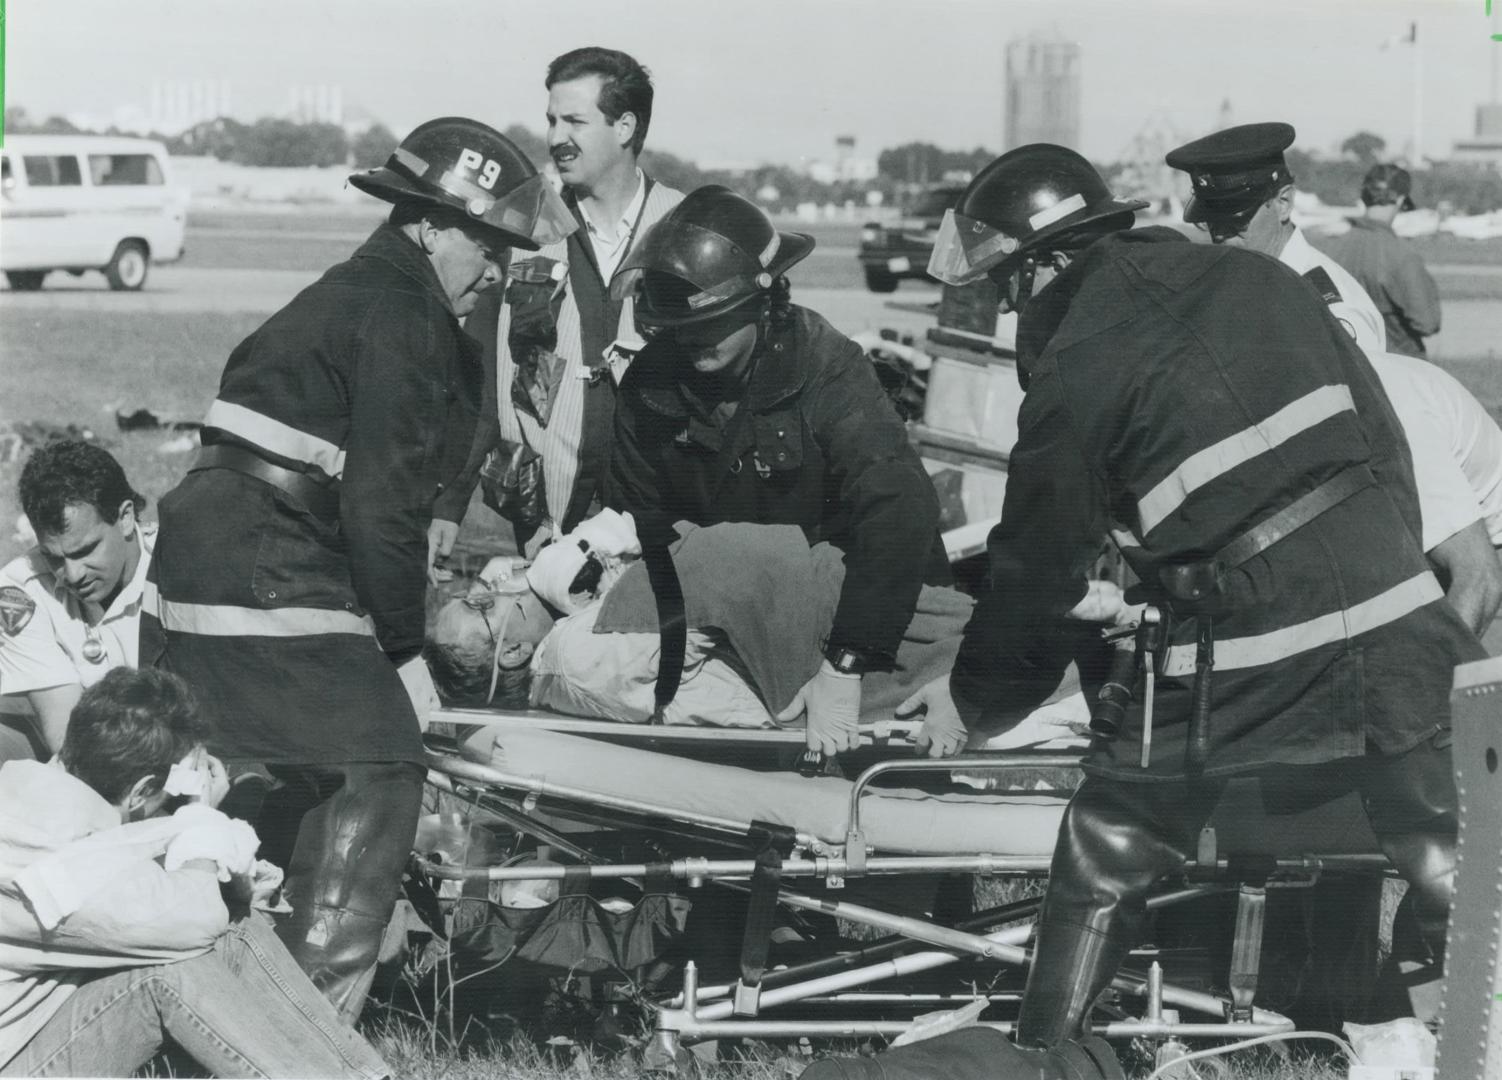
(137, 804)
(625, 128)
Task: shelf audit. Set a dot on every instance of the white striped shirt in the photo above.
(558, 442)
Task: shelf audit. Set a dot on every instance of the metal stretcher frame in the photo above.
(882, 734)
(700, 1013)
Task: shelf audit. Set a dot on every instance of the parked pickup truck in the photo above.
(890, 253)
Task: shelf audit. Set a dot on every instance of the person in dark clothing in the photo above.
(291, 573)
(1260, 487)
(1388, 267)
(745, 407)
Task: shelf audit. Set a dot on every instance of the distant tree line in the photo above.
(266, 142)
(902, 171)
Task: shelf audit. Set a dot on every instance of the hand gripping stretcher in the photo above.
(806, 844)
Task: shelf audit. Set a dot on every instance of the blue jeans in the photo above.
(243, 1008)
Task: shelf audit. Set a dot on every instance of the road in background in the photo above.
(255, 261)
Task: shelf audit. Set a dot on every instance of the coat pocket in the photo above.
(300, 562)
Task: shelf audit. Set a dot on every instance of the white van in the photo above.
(87, 202)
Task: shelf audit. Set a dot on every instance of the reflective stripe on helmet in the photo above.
(1057, 212)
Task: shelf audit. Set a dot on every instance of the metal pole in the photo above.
(1418, 98)
(1005, 944)
(697, 1031)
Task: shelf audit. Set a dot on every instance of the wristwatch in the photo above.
(847, 661)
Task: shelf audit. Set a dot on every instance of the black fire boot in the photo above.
(345, 873)
(1115, 842)
(1411, 802)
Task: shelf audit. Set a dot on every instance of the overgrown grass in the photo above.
(406, 1049)
(65, 367)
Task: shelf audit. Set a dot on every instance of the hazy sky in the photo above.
(752, 80)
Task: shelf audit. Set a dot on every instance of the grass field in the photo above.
(61, 368)
(64, 367)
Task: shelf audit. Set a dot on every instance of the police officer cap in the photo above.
(1234, 170)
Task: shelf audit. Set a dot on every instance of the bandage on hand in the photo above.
(209, 834)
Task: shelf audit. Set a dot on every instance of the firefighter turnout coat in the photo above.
(1180, 396)
(815, 443)
(287, 624)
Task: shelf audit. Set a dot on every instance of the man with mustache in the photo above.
(557, 344)
(291, 566)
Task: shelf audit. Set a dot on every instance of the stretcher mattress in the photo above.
(897, 822)
(892, 821)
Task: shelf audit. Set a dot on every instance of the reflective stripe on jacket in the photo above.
(1168, 408)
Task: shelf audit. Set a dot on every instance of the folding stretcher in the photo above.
(798, 841)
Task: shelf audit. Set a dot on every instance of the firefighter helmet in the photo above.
(468, 166)
(713, 252)
(1025, 200)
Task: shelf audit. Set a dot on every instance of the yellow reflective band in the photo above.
(224, 620)
(1275, 645)
(1199, 469)
(276, 437)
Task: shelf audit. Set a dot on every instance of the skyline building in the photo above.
(1042, 102)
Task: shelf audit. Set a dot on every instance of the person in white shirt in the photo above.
(1457, 468)
(1243, 196)
(69, 608)
(115, 935)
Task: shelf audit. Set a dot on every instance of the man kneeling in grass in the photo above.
(115, 935)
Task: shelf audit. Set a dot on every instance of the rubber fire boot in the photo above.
(975, 1053)
(1419, 925)
(1115, 841)
(1414, 810)
(345, 875)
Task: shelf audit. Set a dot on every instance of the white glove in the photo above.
(1106, 603)
(418, 682)
(943, 733)
(832, 700)
(543, 535)
(610, 533)
(503, 570)
(200, 777)
(1102, 603)
(210, 834)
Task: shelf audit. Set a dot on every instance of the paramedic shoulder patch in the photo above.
(1323, 284)
(16, 610)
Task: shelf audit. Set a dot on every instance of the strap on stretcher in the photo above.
(761, 913)
(672, 623)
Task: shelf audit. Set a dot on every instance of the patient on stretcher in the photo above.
(576, 632)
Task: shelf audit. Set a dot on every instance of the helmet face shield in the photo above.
(966, 249)
(533, 209)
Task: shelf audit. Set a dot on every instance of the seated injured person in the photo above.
(123, 927)
(576, 632)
